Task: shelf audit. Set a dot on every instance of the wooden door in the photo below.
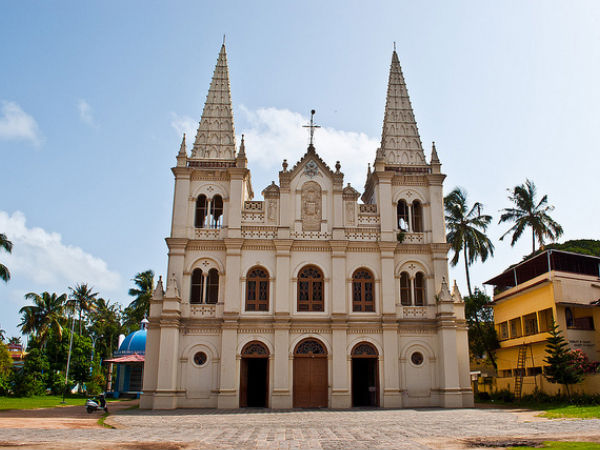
(310, 382)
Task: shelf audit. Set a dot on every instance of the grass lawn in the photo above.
(46, 401)
(564, 446)
(572, 411)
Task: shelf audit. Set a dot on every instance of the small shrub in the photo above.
(503, 395)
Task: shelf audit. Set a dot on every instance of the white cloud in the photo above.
(16, 124)
(277, 134)
(184, 124)
(42, 258)
(85, 112)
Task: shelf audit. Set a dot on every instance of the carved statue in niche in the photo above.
(311, 206)
(272, 210)
(350, 212)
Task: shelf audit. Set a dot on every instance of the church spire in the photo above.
(400, 141)
(215, 138)
(182, 155)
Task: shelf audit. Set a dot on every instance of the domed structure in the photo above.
(134, 343)
(129, 359)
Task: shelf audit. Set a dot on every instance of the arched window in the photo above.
(200, 221)
(257, 290)
(363, 298)
(216, 211)
(197, 286)
(402, 215)
(310, 289)
(212, 286)
(417, 216)
(419, 289)
(405, 289)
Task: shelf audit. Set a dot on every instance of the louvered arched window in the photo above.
(257, 290)
(402, 212)
(216, 212)
(363, 297)
(197, 290)
(419, 289)
(310, 289)
(417, 216)
(405, 299)
(201, 205)
(212, 286)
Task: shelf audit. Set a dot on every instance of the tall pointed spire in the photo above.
(215, 138)
(182, 155)
(400, 141)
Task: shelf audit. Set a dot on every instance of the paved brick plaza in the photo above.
(380, 429)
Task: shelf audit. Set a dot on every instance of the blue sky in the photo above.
(94, 97)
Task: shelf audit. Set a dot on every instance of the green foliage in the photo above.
(5, 369)
(483, 339)
(561, 369)
(95, 385)
(45, 401)
(140, 306)
(106, 327)
(46, 313)
(7, 246)
(80, 359)
(562, 445)
(526, 213)
(466, 231)
(82, 301)
(584, 246)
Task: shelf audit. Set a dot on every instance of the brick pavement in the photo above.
(327, 429)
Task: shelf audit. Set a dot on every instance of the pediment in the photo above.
(312, 165)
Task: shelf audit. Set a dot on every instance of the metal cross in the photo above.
(312, 126)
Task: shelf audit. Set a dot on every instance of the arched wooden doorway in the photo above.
(365, 375)
(310, 375)
(254, 375)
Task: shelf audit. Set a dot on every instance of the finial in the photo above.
(312, 126)
(284, 164)
(223, 39)
(368, 168)
(338, 166)
(394, 45)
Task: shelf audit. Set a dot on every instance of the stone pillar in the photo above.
(283, 275)
(281, 396)
(450, 392)
(392, 397)
(228, 391)
(385, 206)
(339, 303)
(388, 291)
(232, 294)
(340, 393)
(180, 202)
(436, 200)
(236, 202)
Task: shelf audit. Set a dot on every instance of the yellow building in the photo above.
(557, 285)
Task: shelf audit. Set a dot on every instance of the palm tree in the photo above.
(140, 305)
(466, 231)
(5, 244)
(527, 213)
(2, 335)
(82, 299)
(106, 326)
(44, 315)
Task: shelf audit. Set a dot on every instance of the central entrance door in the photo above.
(310, 375)
(365, 375)
(254, 376)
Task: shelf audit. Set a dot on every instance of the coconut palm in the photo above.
(6, 245)
(466, 231)
(82, 299)
(44, 315)
(527, 213)
(140, 305)
(106, 326)
(2, 335)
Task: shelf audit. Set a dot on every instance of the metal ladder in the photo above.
(520, 371)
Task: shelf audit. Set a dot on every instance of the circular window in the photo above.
(200, 358)
(417, 358)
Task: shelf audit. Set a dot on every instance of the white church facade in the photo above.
(316, 296)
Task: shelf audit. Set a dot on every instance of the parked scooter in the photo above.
(93, 404)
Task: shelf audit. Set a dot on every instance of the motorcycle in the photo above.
(93, 404)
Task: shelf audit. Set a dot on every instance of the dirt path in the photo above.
(58, 418)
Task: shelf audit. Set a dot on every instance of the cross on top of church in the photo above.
(312, 126)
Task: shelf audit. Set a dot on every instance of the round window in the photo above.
(417, 358)
(200, 358)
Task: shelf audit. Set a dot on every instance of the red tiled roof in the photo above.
(126, 359)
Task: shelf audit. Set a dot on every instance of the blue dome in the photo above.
(134, 343)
